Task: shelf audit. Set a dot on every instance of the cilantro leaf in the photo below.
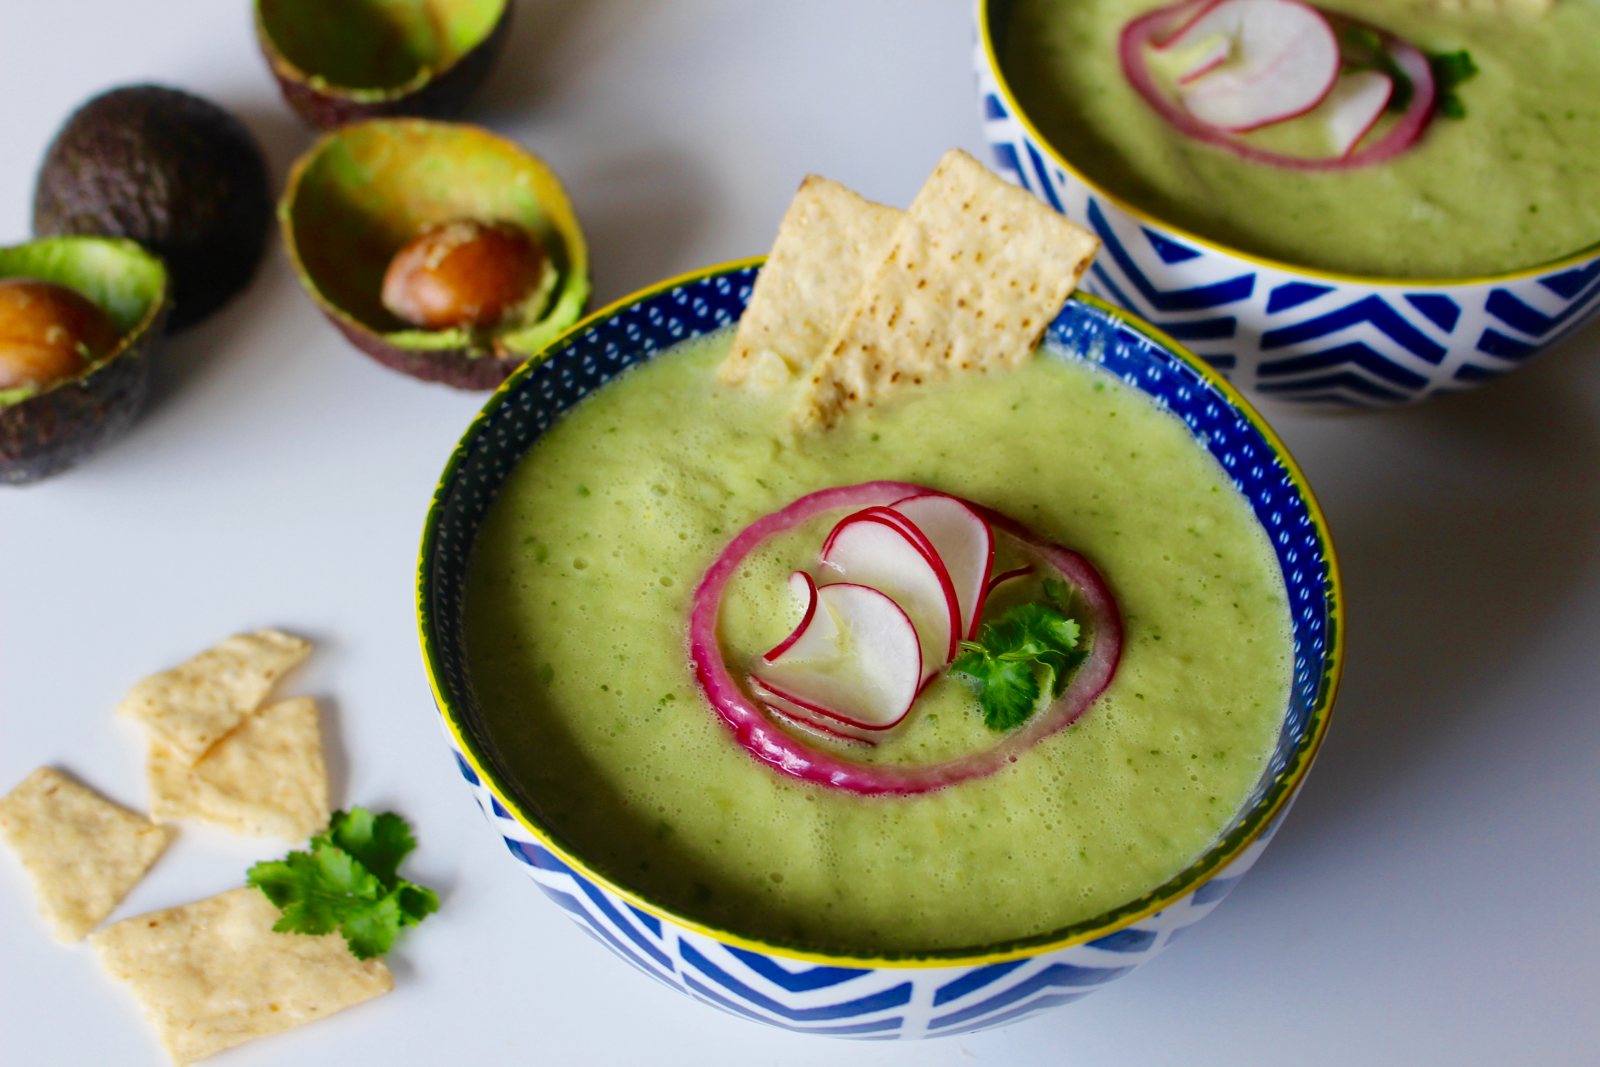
(1450, 69)
(348, 881)
(1029, 650)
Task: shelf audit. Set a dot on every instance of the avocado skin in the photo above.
(172, 171)
(48, 433)
(449, 366)
(443, 97)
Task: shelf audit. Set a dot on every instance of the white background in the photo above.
(1431, 900)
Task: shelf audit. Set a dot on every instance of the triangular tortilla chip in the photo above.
(266, 778)
(829, 239)
(214, 974)
(83, 852)
(191, 706)
(973, 275)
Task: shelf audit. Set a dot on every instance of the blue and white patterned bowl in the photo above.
(1278, 330)
(910, 995)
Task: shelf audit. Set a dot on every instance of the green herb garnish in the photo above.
(1450, 69)
(349, 882)
(1028, 651)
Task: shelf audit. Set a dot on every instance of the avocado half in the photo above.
(46, 429)
(364, 190)
(361, 59)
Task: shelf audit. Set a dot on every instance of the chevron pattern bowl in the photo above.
(908, 996)
(1279, 331)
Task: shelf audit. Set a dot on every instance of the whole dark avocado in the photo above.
(365, 59)
(49, 425)
(172, 171)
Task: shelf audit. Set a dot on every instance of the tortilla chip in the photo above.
(974, 273)
(266, 778)
(828, 241)
(190, 707)
(83, 852)
(213, 974)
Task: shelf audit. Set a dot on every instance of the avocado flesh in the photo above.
(46, 429)
(126, 282)
(373, 49)
(171, 171)
(367, 189)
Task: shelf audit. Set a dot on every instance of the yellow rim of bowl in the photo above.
(1181, 885)
(993, 60)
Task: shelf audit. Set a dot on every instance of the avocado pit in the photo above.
(463, 274)
(48, 333)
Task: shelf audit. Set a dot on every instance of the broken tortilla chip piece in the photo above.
(829, 240)
(190, 707)
(974, 273)
(214, 974)
(265, 778)
(83, 852)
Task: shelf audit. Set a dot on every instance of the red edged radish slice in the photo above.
(755, 728)
(1140, 35)
(964, 542)
(1354, 107)
(883, 549)
(1182, 18)
(873, 673)
(818, 631)
(804, 718)
(1282, 59)
(1001, 582)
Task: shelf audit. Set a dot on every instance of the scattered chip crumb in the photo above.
(190, 707)
(829, 239)
(266, 778)
(974, 273)
(213, 974)
(83, 852)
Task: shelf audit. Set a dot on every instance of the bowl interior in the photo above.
(641, 326)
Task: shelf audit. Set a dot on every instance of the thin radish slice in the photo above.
(964, 542)
(804, 718)
(1141, 34)
(872, 672)
(1282, 59)
(1001, 582)
(757, 731)
(819, 632)
(1354, 107)
(883, 549)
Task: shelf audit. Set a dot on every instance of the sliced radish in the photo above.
(1282, 58)
(806, 719)
(883, 549)
(1151, 32)
(1000, 583)
(819, 632)
(1354, 107)
(873, 668)
(757, 731)
(963, 542)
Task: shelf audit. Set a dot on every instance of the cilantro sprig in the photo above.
(348, 881)
(1030, 650)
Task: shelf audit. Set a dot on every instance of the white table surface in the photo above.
(1432, 899)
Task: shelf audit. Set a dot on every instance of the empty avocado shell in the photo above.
(362, 59)
(45, 429)
(365, 190)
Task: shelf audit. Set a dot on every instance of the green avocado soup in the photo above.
(1512, 184)
(576, 605)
